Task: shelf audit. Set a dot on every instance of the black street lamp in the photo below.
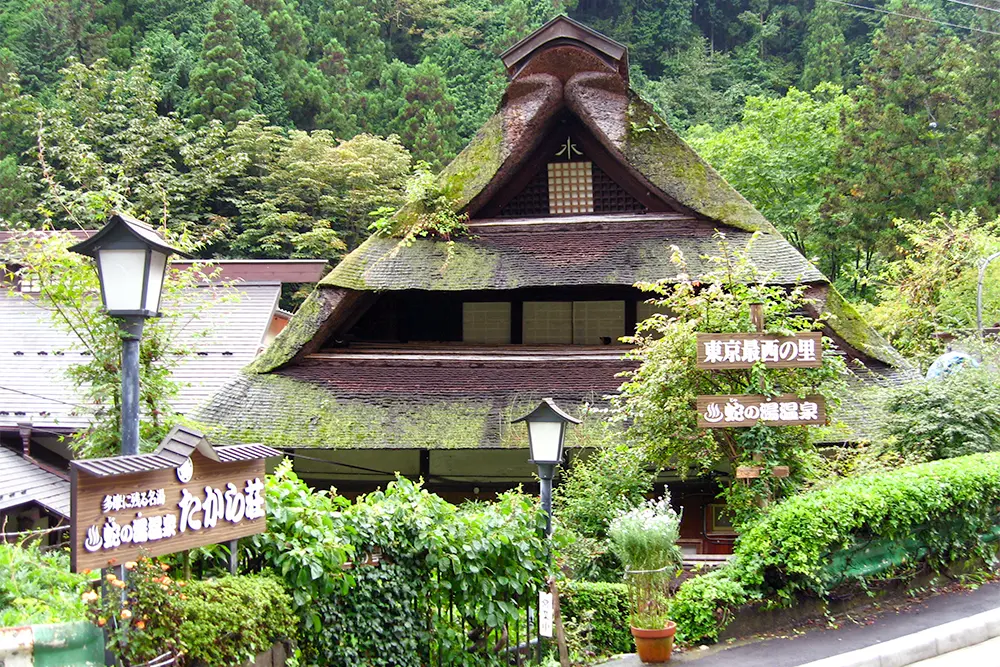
(546, 433)
(131, 265)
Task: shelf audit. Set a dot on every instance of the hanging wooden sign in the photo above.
(185, 495)
(728, 411)
(743, 350)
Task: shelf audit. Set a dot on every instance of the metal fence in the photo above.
(513, 643)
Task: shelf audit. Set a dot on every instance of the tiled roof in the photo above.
(35, 354)
(613, 249)
(411, 400)
(23, 482)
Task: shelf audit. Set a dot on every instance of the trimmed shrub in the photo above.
(933, 513)
(596, 613)
(229, 621)
(220, 622)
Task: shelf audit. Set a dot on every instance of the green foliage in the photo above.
(452, 576)
(779, 156)
(595, 490)
(313, 192)
(221, 87)
(935, 512)
(596, 618)
(224, 622)
(430, 212)
(703, 605)
(69, 292)
(304, 545)
(956, 415)
(656, 398)
(456, 575)
(932, 286)
(903, 155)
(37, 587)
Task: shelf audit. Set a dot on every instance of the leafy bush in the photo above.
(451, 577)
(804, 544)
(596, 617)
(222, 623)
(38, 587)
(304, 545)
(228, 621)
(595, 490)
(942, 418)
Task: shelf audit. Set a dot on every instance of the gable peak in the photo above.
(565, 34)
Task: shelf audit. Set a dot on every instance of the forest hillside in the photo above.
(274, 128)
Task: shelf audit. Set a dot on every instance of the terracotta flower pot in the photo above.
(655, 645)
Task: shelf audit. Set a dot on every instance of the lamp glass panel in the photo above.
(121, 278)
(157, 267)
(545, 443)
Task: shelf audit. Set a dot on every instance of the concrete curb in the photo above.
(920, 645)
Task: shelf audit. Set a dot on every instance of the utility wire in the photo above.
(916, 18)
(45, 398)
(969, 4)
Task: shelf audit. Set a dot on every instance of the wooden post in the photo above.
(757, 316)
(557, 620)
(234, 556)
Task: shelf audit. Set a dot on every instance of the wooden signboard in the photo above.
(743, 350)
(162, 511)
(727, 411)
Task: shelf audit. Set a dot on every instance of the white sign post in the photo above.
(544, 614)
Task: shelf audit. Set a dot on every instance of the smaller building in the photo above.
(40, 410)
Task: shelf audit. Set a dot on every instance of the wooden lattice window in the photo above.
(570, 187)
(532, 202)
(609, 197)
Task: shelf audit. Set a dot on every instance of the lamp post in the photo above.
(546, 432)
(979, 291)
(131, 265)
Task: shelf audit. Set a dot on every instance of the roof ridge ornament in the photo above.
(560, 31)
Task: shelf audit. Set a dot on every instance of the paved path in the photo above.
(792, 650)
(977, 655)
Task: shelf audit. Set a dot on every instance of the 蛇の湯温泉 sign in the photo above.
(747, 410)
(743, 350)
(185, 495)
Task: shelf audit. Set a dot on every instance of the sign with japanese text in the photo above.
(545, 614)
(163, 511)
(743, 350)
(746, 410)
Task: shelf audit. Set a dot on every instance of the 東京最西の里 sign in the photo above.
(743, 350)
(185, 495)
(747, 410)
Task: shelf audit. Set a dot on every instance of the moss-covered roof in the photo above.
(283, 411)
(619, 250)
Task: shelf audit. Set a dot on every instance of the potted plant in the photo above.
(645, 540)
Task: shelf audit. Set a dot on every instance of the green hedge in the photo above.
(815, 541)
(598, 614)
